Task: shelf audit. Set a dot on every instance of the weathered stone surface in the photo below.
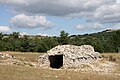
(73, 56)
(6, 59)
(44, 61)
(5, 55)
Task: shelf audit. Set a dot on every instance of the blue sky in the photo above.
(49, 17)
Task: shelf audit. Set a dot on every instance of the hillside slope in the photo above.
(106, 41)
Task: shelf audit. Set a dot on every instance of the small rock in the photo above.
(56, 76)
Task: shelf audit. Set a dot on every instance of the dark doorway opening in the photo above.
(56, 61)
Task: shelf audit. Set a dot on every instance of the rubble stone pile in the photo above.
(5, 55)
(69, 56)
(6, 59)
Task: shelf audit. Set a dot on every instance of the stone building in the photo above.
(69, 56)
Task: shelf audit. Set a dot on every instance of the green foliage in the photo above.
(116, 37)
(1, 36)
(63, 39)
(14, 35)
(102, 41)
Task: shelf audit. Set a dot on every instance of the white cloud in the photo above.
(24, 33)
(55, 7)
(42, 34)
(107, 14)
(90, 26)
(13, 1)
(5, 29)
(24, 21)
(105, 11)
(118, 1)
(117, 26)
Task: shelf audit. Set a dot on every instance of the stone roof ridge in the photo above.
(65, 49)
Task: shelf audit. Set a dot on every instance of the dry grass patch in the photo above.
(16, 72)
(113, 57)
(8, 72)
(25, 56)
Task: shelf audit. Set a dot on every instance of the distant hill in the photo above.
(105, 41)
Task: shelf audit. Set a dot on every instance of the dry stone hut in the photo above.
(69, 56)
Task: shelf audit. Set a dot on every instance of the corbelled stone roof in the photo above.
(64, 49)
(84, 50)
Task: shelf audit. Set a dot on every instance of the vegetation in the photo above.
(112, 57)
(101, 41)
(22, 73)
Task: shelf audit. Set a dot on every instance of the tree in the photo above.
(24, 46)
(64, 38)
(1, 36)
(116, 38)
(15, 35)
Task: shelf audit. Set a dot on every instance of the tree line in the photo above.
(101, 41)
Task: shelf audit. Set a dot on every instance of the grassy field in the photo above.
(15, 72)
(115, 57)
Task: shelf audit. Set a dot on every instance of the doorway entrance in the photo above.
(56, 61)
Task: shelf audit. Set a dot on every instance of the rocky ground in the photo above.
(98, 66)
(21, 64)
(9, 59)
